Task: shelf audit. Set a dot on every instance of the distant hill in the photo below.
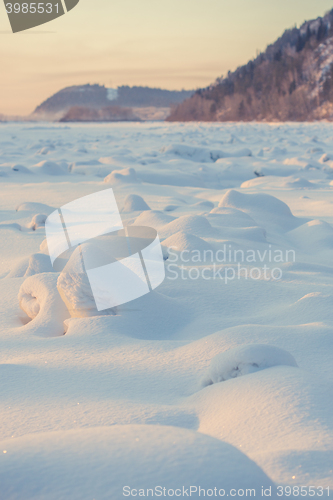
(98, 96)
(291, 80)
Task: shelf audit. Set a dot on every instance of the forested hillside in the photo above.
(291, 80)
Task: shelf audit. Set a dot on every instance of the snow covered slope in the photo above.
(220, 378)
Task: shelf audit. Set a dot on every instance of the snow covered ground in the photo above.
(220, 378)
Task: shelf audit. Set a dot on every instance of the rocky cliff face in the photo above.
(291, 80)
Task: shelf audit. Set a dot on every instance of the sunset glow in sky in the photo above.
(172, 44)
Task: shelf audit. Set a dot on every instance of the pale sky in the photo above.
(172, 44)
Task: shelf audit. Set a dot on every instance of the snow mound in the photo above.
(108, 160)
(315, 235)
(200, 154)
(324, 158)
(230, 217)
(126, 175)
(153, 218)
(191, 224)
(262, 181)
(194, 153)
(100, 462)
(248, 202)
(43, 247)
(290, 182)
(89, 168)
(245, 360)
(31, 206)
(75, 290)
(35, 264)
(39, 299)
(313, 307)
(20, 169)
(263, 208)
(38, 264)
(183, 241)
(37, 221)
(135, 203)
(297, 183)
(49, 168)
(274, 168)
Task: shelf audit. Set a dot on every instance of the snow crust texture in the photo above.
(222, 376)
(177, 458)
